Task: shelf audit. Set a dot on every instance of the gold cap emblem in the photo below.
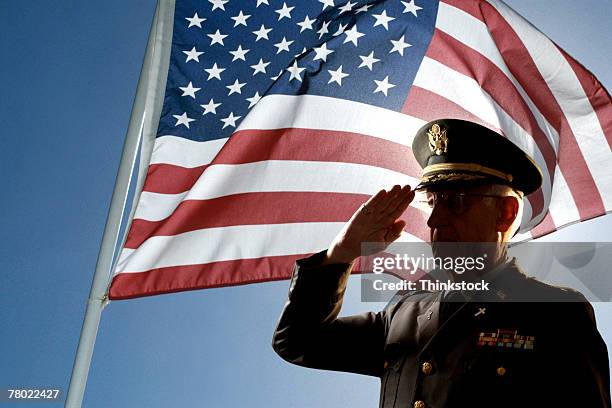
(438, 141)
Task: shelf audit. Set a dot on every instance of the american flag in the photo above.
(281, 117)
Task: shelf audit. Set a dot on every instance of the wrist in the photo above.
(334, 256)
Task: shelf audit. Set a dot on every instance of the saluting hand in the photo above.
(376, 222)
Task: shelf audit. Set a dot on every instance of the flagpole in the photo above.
(148, 84)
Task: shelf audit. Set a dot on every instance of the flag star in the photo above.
(240, 19)
(260, 67)
(347, 7)
(284, 12)
(260, 2)
(217, 38)
(230, 120)
(218, 4)
(253, 99)
(195, 21)
(352, 35)
(283, 45)
(327, 3)
(235, 87)
(340, 29)
(324, 30)
(410, 7)
(363, 8)
(214, 72)
(322, 52)
(183, 120)
(189, 90)
(306, 24)
(399, 46)
(337, 75)
(239, 53)
(383, 86)
(295, 72)
(211, 107)
(368, 60)
(262, 33)
(274, 78)
(383, 19)
(193, 54)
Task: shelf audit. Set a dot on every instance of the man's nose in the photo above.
(438, 217)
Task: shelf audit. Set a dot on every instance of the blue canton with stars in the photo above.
(227, 54)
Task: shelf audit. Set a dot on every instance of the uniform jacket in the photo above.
(429, 353)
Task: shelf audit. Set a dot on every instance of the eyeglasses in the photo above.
(454, 202)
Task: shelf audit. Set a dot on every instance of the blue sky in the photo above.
(68, 78)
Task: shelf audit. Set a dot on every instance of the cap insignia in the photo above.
(438, 141)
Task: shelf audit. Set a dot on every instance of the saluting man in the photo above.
(523, 343)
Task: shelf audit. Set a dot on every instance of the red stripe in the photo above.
(427, 105)
(250, 146)
(258, 209)
(571, 161)
(193, 277)
(211, 275)
(598, 95)
(546, 226)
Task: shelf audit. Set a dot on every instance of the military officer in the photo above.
(522, 344)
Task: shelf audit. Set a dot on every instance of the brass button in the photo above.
(386, 365)
(419, 404)
(501, 371)
(426, 368)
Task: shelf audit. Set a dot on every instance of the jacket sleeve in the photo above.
(592, 369)
(581, 365)
(310, 333)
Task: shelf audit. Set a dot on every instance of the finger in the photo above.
(393, 195)
(373, 202)
(395, 231)
(406, 197)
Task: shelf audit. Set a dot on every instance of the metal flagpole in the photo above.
(151, 85)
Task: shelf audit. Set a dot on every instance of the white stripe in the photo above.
(473, 33)
(562, 208)
(567, 90)
(184, 152)
(231, 243)
(302, 111)
(274, 175)
(228, 243)
(466, 92)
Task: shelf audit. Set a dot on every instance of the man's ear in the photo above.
(508, 210)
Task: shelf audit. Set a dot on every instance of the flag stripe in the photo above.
(249, 146)
(226, 244)
(211, 275)
(179, 151)
(427, 105)
(257, 208)
(270, 176)
(600, 99)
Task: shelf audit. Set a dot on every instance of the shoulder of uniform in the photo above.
(557, 293)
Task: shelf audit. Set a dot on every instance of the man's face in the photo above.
(462, 215)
